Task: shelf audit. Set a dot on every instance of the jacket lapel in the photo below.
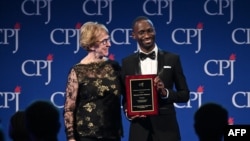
(137, 67)
(160, 59)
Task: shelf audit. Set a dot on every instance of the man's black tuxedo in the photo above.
(164, 125)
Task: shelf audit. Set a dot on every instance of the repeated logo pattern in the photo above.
(39, 42)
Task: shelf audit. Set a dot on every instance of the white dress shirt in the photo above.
(149, 66)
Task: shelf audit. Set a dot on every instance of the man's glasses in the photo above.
(104, 41)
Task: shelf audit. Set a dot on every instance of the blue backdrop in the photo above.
(39, 43)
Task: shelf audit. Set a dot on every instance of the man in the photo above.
(43, 121)
(167, 66)
(210, 121)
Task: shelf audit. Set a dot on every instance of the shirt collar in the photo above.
(155, 49)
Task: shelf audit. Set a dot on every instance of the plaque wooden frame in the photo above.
(141, 95)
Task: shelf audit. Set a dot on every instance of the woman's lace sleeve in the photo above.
(69, 106)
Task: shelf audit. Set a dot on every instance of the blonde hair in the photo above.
(90, 32)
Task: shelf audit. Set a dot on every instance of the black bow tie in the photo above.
(143, 56)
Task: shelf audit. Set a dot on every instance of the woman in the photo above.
(92, 106)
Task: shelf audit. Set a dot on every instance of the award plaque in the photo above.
(141, 95)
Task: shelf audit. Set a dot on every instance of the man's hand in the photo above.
(135, 116)
(160, 86)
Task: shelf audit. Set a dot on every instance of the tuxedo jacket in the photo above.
(165, 124)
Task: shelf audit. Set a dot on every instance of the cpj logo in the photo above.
(36, 8)
(241, 99)
(34, 68)
(61, 36)
(219, 8)
(185, 36)
(99, 7)
(157, 7)
(10, 36)
(10, 97)
(218, 68)
(195, 99)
